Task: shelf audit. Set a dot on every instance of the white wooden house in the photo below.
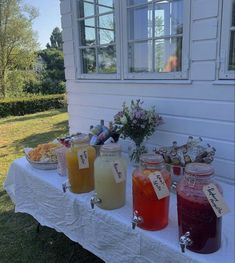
(178, 55)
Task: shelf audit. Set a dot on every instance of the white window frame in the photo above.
(120, 16)
(79, 73)
(185, 50)
(224, 73)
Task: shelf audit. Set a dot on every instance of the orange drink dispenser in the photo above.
(151, 184)
(110, 178)
(80, 159)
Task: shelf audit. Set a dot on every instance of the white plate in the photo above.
(40, 165)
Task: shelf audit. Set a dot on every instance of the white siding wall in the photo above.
(201, 106)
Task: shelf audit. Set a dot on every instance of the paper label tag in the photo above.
(83, 160)
(118, 172)
(215, 199)
(159, 185)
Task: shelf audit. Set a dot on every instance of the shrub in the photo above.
(22, 106)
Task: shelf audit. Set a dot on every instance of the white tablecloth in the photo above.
(107, 234)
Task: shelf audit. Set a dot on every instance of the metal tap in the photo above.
(185, 241)
(65, 186)
(95, 200)
(136, 219)
(173, 187)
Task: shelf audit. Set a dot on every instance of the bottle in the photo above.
(110, 177)
(80, 164)
(195, 214)
(152, 210)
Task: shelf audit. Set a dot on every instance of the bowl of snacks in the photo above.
(43, 156)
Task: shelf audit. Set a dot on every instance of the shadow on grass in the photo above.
(32, 116)
(20, 242)
(38, 138)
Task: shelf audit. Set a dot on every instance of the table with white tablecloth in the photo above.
(107, 234)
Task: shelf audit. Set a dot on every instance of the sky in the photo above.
(48, 19)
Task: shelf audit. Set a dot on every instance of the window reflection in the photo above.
(97, 30)
(168, 55)
(140, 57)
(88, 60)
(107, 59)
(231, 65)
(161, 22)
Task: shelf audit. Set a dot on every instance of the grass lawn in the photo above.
(19, 241)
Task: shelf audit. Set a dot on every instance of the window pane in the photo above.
(168, 55)
(160, 17)
(233, 14)
(107, 59)
(90, 22)
(138, 2)
(106, 21)
(177, 17)
(106, 2)
(103, 9)
(87, 35)
(88, 60)
(140, 57)
(106, 36)
(140, 22)
(86, 9)
(231, 65)
(168, 18)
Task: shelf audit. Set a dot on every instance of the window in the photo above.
(227, 56)
(142, 39)
(97, 49)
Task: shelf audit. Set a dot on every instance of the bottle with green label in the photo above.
(80, 159)
(110, 178)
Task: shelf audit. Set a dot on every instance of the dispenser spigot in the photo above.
(65, 186)
(173, 187)
(136, 219)
(95, 200)
(185, 241)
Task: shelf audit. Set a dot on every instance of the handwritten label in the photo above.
(159, 185)
(118, 172)
(216, 200)
(83, 160)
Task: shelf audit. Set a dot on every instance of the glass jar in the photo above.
(153, 211)
(80, 164)
(109, 189)
(195, 214)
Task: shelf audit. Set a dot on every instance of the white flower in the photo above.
(123, 120)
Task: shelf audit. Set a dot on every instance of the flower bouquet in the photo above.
(138, 124)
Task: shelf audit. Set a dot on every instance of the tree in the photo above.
(17, 40)
(51, 79)
(56, 39)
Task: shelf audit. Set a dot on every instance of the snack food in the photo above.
(43, 153)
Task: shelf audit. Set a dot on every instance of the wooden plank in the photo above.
(204, 29)
(203, 70)
(204, 50)
(203, 109)
(204, 90)
(204, 9)
(189, 126)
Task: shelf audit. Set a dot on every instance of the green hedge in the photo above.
(22, 106)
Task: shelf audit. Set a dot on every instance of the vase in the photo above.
(134, 151)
